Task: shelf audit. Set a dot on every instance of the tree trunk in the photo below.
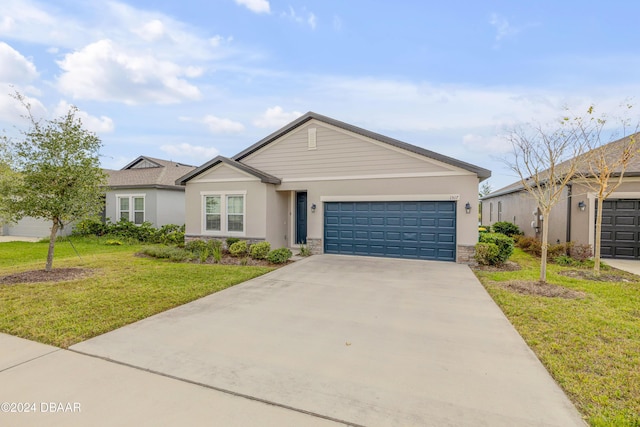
(596, 248)
(545, 238)
(52, 242)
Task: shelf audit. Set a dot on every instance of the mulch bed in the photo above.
(37, 276)
(612, 275)
(540, 289)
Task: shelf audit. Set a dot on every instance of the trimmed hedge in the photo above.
(239, 249)
(504, 243)
(279, 256)
(260, 250)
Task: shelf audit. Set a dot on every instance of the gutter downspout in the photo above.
(569, 200)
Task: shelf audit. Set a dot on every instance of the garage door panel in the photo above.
(620, 236)
(422, 230)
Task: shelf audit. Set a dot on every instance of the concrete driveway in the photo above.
(362, 341)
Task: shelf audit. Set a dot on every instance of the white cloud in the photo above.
(102, 124)
(310, 18)
(15, 67)
(189, 153)
(151, 31)
(257, 6)
(106, 72)
(502, 26)
(217, 124)
(275, 117)
(337, 23)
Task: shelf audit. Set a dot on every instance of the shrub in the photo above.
(231, 240)
(487, 254)
(580, 252)
(89, 227)
(260, 250)
(530, 245)
(564, 260)
(169, 234)
(484, 229)
(279, 256)
(504, 244)
(239, 248)
(558, 249)
(506, 228)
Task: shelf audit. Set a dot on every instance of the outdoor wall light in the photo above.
(537, 229)
(467, 207)
(582, 206)
(313, 207)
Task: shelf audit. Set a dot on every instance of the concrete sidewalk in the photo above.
(62, 388)
(630, 265)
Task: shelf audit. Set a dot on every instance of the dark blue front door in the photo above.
(301, 217)
(422, 230)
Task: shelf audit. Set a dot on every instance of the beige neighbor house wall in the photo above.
(518, 208)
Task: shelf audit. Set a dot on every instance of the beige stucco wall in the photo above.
(255, 204)
(462, 188)
(518, 208)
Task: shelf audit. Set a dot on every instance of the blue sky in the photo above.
(192, 79)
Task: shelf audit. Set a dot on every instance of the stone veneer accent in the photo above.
(465, 254)
(315, 246)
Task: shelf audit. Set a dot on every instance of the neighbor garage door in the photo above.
(420, 230)
(620, 229)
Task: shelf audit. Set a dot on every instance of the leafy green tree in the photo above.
(60, 176)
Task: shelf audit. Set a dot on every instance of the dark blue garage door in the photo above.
(420, 230)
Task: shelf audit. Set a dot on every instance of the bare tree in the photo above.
(602, 167)
(545, 159)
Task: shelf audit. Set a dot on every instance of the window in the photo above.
(235, 213)
(212, 213)
(490, 211)
(131, 208)
(224, 213)
(499, 211)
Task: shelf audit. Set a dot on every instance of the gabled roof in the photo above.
(611, 150)
(161, 174)
(481, 172)
(264, 177)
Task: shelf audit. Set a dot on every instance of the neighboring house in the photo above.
(31, 227)
(573, 217)
(340, 189)
(145, 190)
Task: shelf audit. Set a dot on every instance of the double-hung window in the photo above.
(224, 213)
(131, 208)
(235, 213)
(213, 220)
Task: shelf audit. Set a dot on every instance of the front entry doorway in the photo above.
(301, 217)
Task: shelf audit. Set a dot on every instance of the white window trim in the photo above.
(131, 206)
(223, 213)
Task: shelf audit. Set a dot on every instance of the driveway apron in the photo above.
(365, 341)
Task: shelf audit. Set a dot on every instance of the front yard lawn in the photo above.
(119, 288)
(589, 341)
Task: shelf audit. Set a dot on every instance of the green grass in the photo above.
(591, 346)
(122, 289)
